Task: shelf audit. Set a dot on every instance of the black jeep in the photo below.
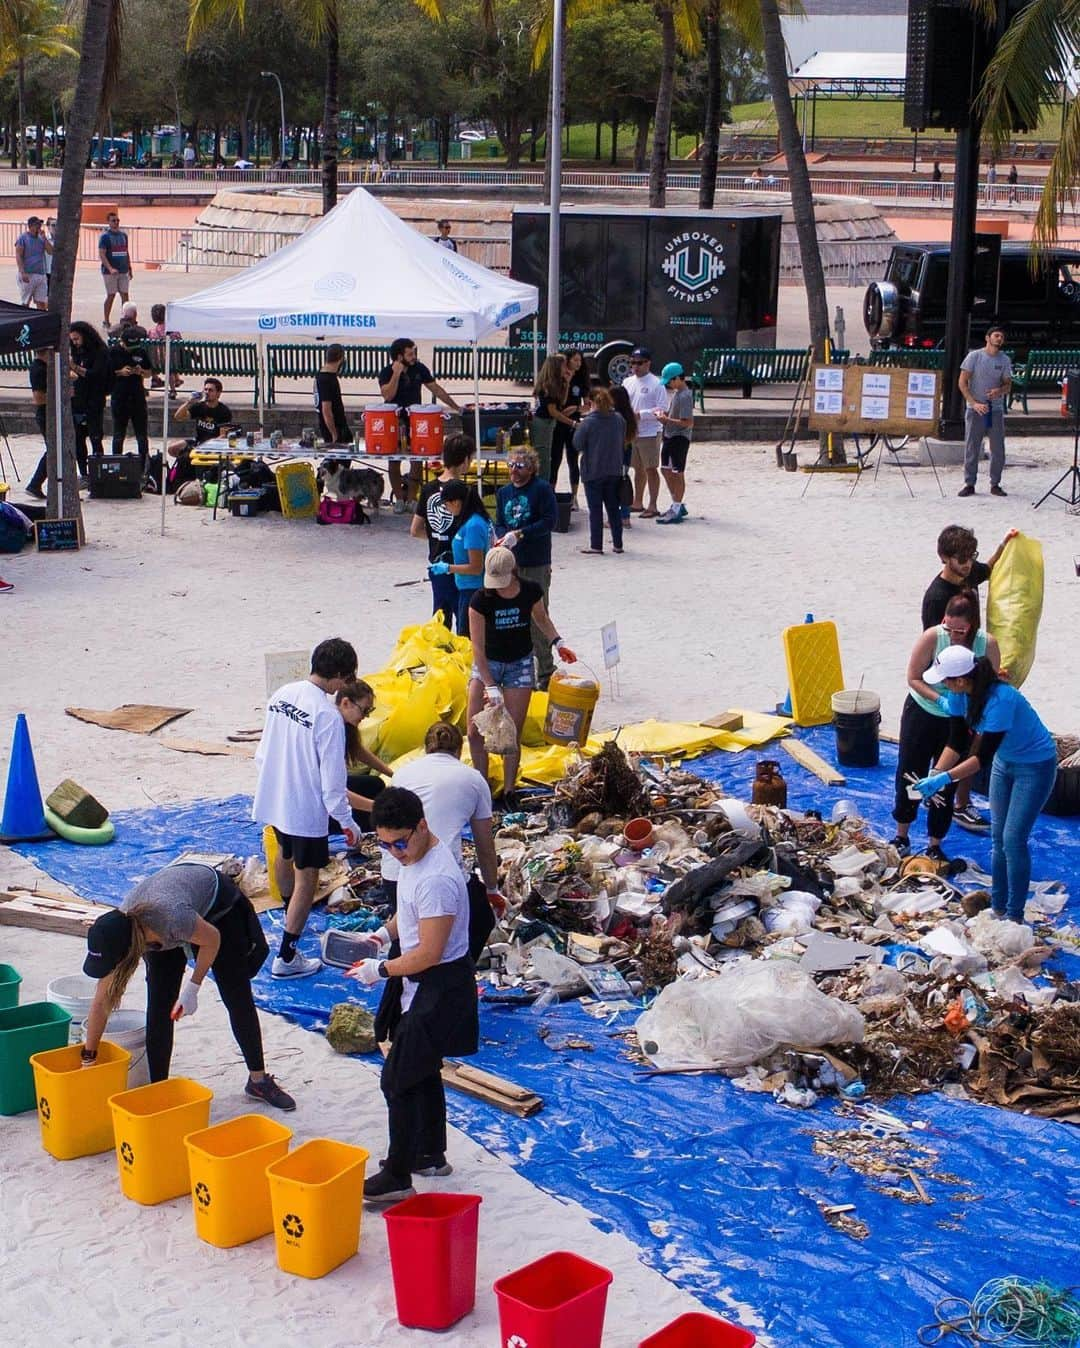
(1037, 308)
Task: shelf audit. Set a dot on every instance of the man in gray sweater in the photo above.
(985, 380)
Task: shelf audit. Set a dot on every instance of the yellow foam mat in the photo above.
(812, 654)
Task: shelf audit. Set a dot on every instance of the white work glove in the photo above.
(188, 1001)
(509, 540)
(352, 835)
(366, 972)
(381, 938)
(493, 696)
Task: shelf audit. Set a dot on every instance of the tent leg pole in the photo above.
(476, 416)
(536, 353)
(260, 379)
(165, 427)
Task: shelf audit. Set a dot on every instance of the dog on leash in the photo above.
(340, 481)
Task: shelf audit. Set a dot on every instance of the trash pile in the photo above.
(764, 934)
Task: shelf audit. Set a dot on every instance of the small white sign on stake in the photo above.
(609, 637)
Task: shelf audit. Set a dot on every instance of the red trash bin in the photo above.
(695, 1330)
(556, 1302)
(432, 1239)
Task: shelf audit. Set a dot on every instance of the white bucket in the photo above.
(75, 993)
(128, 1030)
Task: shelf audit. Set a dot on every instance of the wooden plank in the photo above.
(492, 1082)
(725, 720)
(806, 758)
(509, 1098)
(888, 738)
(38, 913)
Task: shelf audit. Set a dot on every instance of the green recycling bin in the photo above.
(25, 1030)
(10, 978)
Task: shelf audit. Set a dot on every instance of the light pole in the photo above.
(556, 179)
(269, 75)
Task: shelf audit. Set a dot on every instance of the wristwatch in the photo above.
(88, 1055)
(383, 972)
(556, 641)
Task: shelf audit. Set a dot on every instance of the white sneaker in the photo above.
(298, 967)
(399, 506)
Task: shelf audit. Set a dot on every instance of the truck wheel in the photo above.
(881, 309)
(613, 362)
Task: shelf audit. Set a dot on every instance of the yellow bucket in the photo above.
(73, 1100)
(317, 1193)
(271, 851)
(230, 1194)
(149, 1125)
(572, 700)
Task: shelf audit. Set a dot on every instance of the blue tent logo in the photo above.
(23, 338)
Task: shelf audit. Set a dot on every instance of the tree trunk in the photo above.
(245, 142)
(21, 86)
(330, 112)
(641, 141)
(710, 145)
(534, 140)
(13, 143)
(79, 125)
(664, 96)
(802, 197)
(599, 128)
(512, 141)
(615, 140)
(217, 142)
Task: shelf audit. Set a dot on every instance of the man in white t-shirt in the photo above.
(647, 397)
(301, 786)
(437, 1015)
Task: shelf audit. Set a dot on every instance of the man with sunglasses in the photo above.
(432, 1012)
(647, 397)
(526, 513)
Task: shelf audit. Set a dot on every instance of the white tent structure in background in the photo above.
(359, 275)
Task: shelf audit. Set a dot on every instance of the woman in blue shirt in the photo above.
(991, 719)
(470, 541)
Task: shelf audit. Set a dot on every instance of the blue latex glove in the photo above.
(439, 569)
(952, 704)
(930, 786)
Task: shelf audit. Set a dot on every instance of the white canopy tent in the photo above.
(360, 274)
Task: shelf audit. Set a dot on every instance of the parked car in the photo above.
(1038, 308)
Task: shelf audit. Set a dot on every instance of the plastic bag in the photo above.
(743, 1016)
(497, 727)
(997, 939)
(1014, 605)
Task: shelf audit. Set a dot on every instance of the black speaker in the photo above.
(1073, 399)
(115, 477)
(948, 50)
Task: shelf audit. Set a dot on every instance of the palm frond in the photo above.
(1059, 191)
(1033, 57)
(206, 14)
(689, 16)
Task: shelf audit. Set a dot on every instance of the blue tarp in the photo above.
(719, 1188)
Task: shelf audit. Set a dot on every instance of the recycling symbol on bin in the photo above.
(292, 1225)
(126, 1154)
(202, 1195)
(43, 1106)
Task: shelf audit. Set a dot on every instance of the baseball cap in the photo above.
(641, 353)
(107, 942)
(34, 220)
(498, 568)
(672, 370)
(954, 662)
(134, 333)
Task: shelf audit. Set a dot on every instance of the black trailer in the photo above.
(676, 283)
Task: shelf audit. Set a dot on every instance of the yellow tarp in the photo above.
(689, 737)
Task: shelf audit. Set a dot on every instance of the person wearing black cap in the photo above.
(131, 368)
(184, 904)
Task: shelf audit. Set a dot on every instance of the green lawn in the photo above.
(868, 118)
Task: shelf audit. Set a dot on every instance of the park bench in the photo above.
(304, 360)
(907, 358)
(1044, 369)
(744, 366)
(501, 364)
(223, 360)
(15, 362)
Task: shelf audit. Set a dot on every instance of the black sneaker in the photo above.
(902, 845)
(270, 1093)
(966, 490)
(971, 819)
(997, 490)
(386, 1187)
(936, 854)
(431, 1167)
(32, 489)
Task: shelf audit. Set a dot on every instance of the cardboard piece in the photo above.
(207, 747)
(725, 720)
(141, 718)
(825, 954)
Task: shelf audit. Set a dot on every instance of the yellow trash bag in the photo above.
(410, 708)
(1014, 605)
(532, 732)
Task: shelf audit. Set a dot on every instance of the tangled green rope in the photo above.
(1008, 1312)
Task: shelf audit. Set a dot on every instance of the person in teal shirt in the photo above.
(992, 720)
(471, 539)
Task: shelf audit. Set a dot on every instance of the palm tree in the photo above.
(745, 17)
(1034, 60)
(802, 196)
(318, 20)
(30, 28)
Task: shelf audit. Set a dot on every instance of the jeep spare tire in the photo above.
(881, 309)
(613, 362)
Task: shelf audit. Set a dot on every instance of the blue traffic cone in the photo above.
(24, 813)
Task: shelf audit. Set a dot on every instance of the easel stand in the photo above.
(11, 454)
(1071, 474)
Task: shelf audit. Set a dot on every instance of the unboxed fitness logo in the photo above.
(693, 261)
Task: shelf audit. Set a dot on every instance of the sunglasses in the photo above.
(519, 463)
(398, 845)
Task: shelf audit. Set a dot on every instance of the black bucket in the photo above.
(857, 720)
(563, 500)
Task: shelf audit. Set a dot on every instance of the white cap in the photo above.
(954, 662)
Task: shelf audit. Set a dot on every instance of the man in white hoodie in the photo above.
(302, 786)
(647, 397)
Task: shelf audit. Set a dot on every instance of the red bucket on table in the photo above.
(695, 1330)
(556, 1302)
(381, 429)
(426, 429)
(432, 1239)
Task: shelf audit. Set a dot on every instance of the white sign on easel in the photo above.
(609, 637)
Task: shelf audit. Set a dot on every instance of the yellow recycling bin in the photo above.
(149, 1125)
(230, 1193)
(73, 1100)
(317, 1193)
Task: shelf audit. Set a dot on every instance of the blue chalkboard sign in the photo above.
(57, 535)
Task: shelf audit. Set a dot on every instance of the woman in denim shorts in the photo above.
(501, 617)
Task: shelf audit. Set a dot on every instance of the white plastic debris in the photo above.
(998, 939)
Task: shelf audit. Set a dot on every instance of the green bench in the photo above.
(504, 364)
(907, 358)
(1043, 369)
(223, 360)
(304, 360)
(744, 366)
(15, 362)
